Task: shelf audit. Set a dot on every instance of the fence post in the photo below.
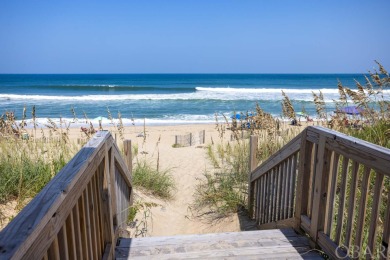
(190, 139)
(129, 163)
(128, 155)
(253, 144)
(204, 136)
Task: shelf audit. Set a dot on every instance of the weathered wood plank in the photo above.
(386, 231)
(251, 244)
(293, 180)
(305, 223)
(351, 204)
(286, 187)
(54, 250)
(113, 180)
(258, 201)
(374, 156)
(275, 191)
(261, 198)
(77, 231)
(330, 199)
(101, 203)
(362, 208)
(256, 235)
(63, 244)
(71, 240)
(266, 197)
(282, 190)
(107, 212)
(279, 192)
(330, 248)
(83, 226)
(94, 227)
(302, 180)
(246, 253)
(320, 187)
(343, 191)
(376, 201)
(312, 178)
(95, 188)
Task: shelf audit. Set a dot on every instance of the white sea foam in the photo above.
(202, 93)
(267, 90)
(180, 119)
(81, 122)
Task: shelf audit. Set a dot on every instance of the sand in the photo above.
(187, 165)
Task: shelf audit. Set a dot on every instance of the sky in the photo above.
(219, 36)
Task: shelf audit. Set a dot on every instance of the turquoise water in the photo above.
(163, 98)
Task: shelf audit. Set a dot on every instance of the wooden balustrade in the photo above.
(273, 185)
(334, 187)
(80, 213)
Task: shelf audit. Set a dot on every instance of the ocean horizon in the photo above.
(164, 99)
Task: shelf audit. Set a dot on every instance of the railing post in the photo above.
(302, 180)
(108, 197)
(129, 163)
(253, 144)
(321, 177)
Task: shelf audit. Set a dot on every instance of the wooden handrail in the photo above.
(341, 189)
(79, 213)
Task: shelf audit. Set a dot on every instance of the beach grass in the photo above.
(26, 166)
(158, 182)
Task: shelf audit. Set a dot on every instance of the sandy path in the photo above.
(186, 164)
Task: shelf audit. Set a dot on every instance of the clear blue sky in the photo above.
(193, 36)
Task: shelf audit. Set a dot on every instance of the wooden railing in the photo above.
(334, 187)
(80, 213)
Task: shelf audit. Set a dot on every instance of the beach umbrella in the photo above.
(351, 110)
(236, 116)
(301, 114)
(100, 118)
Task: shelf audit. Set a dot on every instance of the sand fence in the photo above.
(190, 139)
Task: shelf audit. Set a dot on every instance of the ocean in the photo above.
(163, 99)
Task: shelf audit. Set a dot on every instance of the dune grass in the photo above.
(158, 182)
(27, 166)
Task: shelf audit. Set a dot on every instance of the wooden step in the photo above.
(260, 244)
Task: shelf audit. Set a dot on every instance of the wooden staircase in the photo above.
(261, 244)
(83, 211)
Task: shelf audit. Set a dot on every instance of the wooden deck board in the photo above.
(262, 244)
